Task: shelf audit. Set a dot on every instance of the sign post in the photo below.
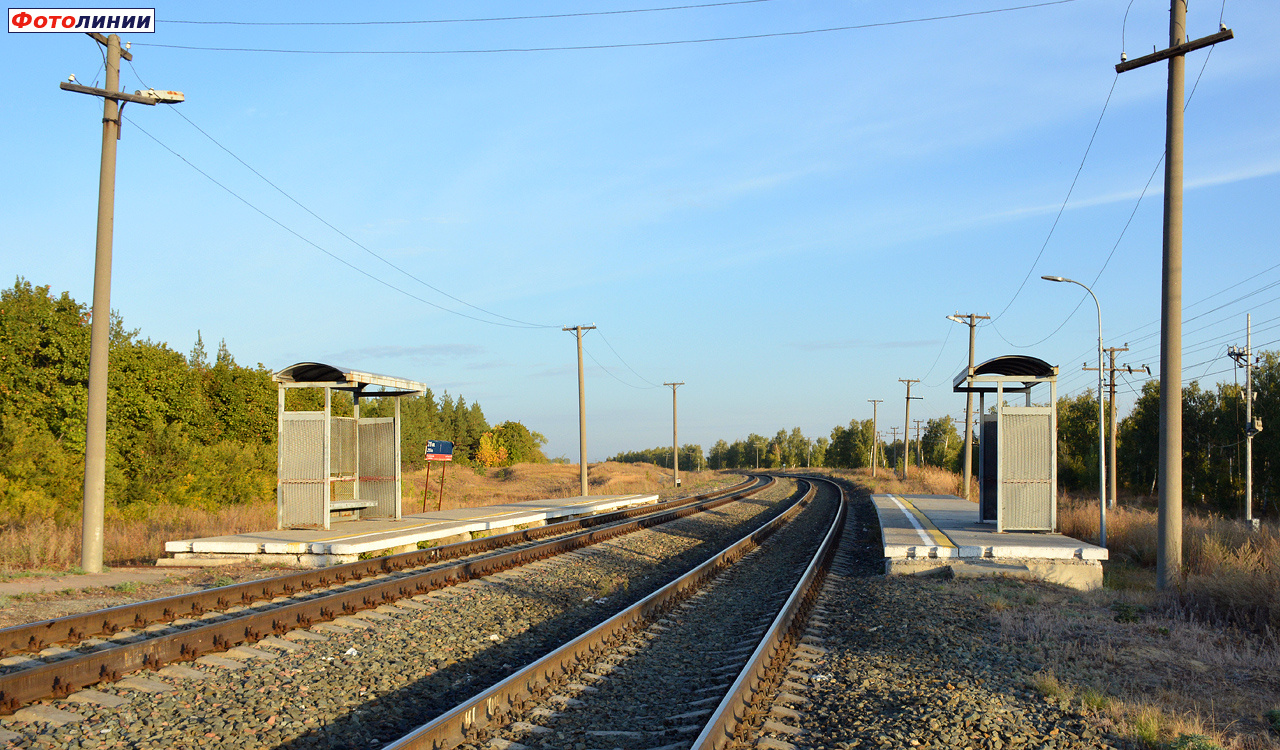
(437, 450)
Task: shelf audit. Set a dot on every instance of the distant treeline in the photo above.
(181, 429)
(1213, 440)
(848, 447)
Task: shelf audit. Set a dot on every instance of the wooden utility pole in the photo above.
(675, 442)
(582, 411)
(894, 430)
(919, 445)
(875, 434)
(1169, 551)
(972, 322)
(906, 427)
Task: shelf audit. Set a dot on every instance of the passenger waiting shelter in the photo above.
(343, 467)
(1018, 445)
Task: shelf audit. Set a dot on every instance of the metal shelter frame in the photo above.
(1018, 445)
(328, 465)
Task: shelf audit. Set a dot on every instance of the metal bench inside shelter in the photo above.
(337, 468)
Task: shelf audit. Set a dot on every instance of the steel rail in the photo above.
(533, 681)
(729, 716)
(60, 678)
(31, 637)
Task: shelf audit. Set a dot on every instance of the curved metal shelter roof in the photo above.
(1016, 365)
(1008, 368)
(319, 375)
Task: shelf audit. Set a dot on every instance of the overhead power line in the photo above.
(315, 245)
(344, 235)
(468, 20)
(1123, 230)
(624, 362)
(1066, 199)
(622, 45)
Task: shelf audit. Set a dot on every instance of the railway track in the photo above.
(680, 668)
(54, 658)
(351, 681)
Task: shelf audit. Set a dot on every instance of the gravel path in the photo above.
(375, 677)
(894, 662)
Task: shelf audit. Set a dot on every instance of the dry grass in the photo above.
(47, 545)
(927, 480)
(51, 546)
(1152, 675)
(1231, 573)
(466, 488)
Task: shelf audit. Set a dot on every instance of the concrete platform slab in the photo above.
(924, 533)
(348, 540)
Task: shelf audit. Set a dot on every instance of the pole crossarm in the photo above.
(1176, 50)
(119, 96)
(104, 41)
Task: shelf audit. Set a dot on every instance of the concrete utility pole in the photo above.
(894, 431)
(972, 322)
(906, 428)
(1244, 358)
(95, 449)
(919, 445)
(875, 405)
(1169, 551)
(675, 442)
(582, 410)
(1114, 472)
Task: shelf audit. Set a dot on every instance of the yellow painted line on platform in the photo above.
(924, 527)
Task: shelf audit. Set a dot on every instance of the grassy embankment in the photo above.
(48, 545)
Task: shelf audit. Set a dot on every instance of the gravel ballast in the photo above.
(376, 676)
(659, 687)
(897, 662)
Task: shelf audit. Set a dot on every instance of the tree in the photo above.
(820, 451)
(942, 444)
(1078, 441)
(490, 452)
(719, 455)
(522, 445)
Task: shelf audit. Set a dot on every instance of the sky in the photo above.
(782, 222)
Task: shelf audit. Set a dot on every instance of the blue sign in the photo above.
(439, 450)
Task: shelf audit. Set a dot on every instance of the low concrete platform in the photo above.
(941, 535)
(315, 548)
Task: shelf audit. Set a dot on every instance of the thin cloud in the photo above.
(430, 353)
(815, 346)
(1250, 172)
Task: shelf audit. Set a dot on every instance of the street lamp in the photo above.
(1102, 435)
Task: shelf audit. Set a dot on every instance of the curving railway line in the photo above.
(489, 612)
(54, 658)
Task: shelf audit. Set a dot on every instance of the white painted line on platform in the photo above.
(924, 536)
